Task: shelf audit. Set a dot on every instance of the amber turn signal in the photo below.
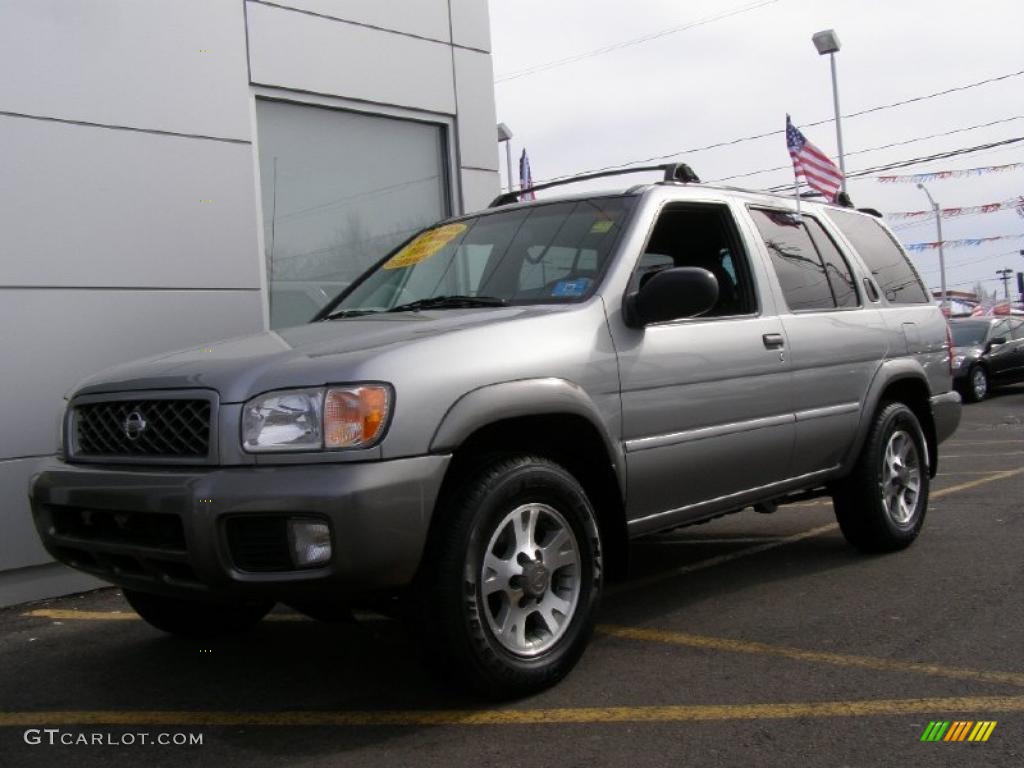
(354, 417)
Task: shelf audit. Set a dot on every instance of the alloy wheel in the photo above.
(901, 477)
(530, 579)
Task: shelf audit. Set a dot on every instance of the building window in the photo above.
(339, 190)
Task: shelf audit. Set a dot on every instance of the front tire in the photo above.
(977, 385)
(192, 618)
(512, 578)
(881, 506)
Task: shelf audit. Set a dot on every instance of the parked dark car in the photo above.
(987, 352)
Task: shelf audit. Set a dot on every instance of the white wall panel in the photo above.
(55, 338)
(172, 65)
(426, 18)
(471, 26)
(86, 206)
(43, 581)
(478, 135)
(295, 50)
(19, 542)
(479, 188)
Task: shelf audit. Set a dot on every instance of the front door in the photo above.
(706, 404)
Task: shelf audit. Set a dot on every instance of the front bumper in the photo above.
(166, 531)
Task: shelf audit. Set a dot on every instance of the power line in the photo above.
(965, 129)
(916, 160)
(779, 132)
(634, 41)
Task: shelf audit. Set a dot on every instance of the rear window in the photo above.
(883, 256)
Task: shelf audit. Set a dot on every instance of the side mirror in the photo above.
(995, 342)
(672, 294)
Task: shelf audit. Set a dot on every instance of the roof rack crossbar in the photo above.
(673, 172)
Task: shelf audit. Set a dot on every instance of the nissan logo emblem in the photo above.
(134, 425)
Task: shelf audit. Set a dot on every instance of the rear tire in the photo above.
(881, 506)
(511, 580)
(193, 618)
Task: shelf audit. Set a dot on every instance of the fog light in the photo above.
(310, 542)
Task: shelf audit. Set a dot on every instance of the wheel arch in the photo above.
(552, 418)
(907, 383)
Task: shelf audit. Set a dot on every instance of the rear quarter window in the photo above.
(889, 266)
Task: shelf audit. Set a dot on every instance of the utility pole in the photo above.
(1004, 275)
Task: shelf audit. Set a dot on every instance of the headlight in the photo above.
(958, 360)
(314, 419)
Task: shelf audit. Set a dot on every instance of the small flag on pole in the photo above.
(812, 164)
(525, 179)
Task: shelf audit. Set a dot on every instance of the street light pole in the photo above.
(942, 254)
(827, 41)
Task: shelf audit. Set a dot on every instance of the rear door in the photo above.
(837, 339)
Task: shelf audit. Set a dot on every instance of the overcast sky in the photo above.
(740, 75)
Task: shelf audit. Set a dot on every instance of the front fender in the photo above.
(525, 397)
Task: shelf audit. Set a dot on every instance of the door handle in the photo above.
(773, 341)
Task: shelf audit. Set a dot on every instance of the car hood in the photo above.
(319, 353)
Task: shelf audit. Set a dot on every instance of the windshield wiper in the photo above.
(451, 302)
(350, 313)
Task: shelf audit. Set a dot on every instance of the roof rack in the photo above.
(673, 172)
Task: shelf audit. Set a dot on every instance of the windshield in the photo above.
(969, 334)
(553, 253)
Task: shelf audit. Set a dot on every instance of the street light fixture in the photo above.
(505, 135)
(938, 227)
(827, 41)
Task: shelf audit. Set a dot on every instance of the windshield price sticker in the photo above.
(425, 246)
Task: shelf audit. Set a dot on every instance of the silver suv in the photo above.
(472, 432)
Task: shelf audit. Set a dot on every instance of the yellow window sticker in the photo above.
(601, 226)
(425, 246)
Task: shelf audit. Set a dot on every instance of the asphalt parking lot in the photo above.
(754, 640)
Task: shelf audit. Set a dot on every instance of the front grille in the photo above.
(173, 429)
(103, 526)
(259, 543)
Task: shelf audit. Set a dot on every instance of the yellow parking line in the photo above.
(781, 542)
(51, 613)
(998, 475)
(676, 713)
(719, 559)
(65, 615)
(821, 657)
(975, 455)
(983, 442)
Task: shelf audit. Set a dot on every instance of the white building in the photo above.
(180, 171)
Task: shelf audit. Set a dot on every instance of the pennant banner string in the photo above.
(949, 213)
(964, 243)
(958, 174)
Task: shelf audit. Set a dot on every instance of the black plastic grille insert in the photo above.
(158, 428)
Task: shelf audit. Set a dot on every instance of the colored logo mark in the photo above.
(958, 730)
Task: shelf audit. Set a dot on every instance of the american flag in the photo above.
(525, 179)
(812, 164)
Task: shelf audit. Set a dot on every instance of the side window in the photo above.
(889, 266)
(1002, 328)
(800, 269)
(840, 277)
(695, 235)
